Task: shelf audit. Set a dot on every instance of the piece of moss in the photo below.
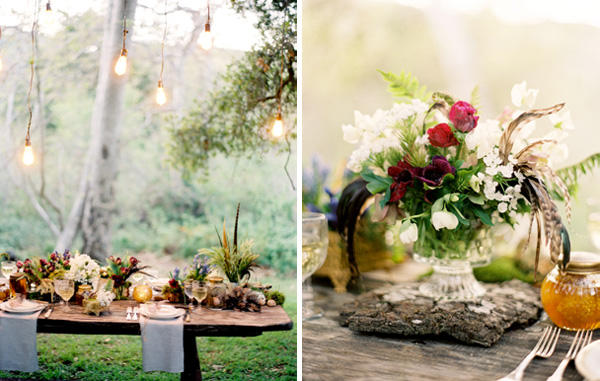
(277, 296)
(502, 269)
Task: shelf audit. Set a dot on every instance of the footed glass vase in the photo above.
(452, 278)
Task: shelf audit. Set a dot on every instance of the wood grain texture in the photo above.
(332, 352)
(204, 322)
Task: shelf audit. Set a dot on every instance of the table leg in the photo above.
(191, 364)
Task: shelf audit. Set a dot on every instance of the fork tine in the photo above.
(552, 343)
(574, 343)
(542, 338)
(547, 341)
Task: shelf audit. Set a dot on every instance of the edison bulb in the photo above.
(48, 17)
(161, 96)
(277, 129)
(121, 65)
(28, 157)
(206, 38)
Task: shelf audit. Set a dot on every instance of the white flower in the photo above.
(562, 120)
(83, 269)
(502, 207)
(484, 137)
(444, 219)
(422, 140)
(105, 297)
(351, 134)
(410, 234)
(522, 96)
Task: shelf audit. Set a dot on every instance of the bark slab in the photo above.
(400, 310)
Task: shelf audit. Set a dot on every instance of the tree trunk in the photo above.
(98, 200)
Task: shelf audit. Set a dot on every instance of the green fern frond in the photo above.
(571, 174)
(405, 86)
(475, 97)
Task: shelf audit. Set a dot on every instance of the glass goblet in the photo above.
(8, 267)
(65, 288)
(315, 240)
(200, 292)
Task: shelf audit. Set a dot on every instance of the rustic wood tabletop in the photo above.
(332, 352)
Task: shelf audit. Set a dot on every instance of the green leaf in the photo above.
(478, 200)
(570, 175)
(438, 205)
(475, 98)
(405, 86)
(386, 198)
(439, 96)
(483, 216)
(376, 184)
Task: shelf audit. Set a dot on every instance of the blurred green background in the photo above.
(451, 47)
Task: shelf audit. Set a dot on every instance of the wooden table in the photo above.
(204, 323)
(332, 352)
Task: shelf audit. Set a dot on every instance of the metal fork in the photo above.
(582, 338)
(544, 348)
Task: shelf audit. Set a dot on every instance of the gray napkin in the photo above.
(162, 344)
(18, 341)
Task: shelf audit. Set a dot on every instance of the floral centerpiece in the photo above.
(100, 301)
(173, 290)
(118, 271)
(41, 272)
(83, 269)
(235, 261)
(446, 175)
(200, 269)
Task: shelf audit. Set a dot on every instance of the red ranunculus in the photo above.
(462, 115)
(442, 136)
(434, 173)
(133, 261)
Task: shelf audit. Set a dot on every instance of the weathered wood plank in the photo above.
(332, 352)
(204, 322)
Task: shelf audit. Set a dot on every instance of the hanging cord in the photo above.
(31, 64)
(162, 48)
(208, 16)
(279, 94)
(125, 31)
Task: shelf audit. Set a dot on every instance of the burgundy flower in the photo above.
(462, 115)
(442, 136)
(173, 283)
(19, 264)
(53, 256)
(118, 261)
(403, 174)
(133, 261)
(434, 173)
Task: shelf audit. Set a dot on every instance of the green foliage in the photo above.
(277, 296)
(405, 86)
(236, 116)
(570, 175)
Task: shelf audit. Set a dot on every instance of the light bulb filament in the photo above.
(278, 129)
(206, 38)
(161, 96)
(28, 157)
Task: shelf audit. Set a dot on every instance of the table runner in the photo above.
(18, 341)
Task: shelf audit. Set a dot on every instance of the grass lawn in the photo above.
(271, 356)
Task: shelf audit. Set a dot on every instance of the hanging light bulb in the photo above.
(206, 38)
(28, 157)
(161, 96)
(48, 17)
(121, 65)
(277, 129)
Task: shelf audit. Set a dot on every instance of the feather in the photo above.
(350, 204)
(225, 243)
(506, 141)
(533, 145)
(219, 237)
(235, 232)
(538, 247)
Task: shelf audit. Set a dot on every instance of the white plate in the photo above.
(588, 361)
(24, 308)
(163, 313)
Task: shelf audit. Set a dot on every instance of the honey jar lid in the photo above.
(583, 262)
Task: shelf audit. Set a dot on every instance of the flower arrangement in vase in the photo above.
(199, 270)
(118, 271)
(173, 290)
(445, 176)
(41, 272)
(235, 261)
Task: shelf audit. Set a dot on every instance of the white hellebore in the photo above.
(444, 219)
(522, 96)
(410, 234)
(351, 134)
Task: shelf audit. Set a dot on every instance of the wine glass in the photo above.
(18, 286)
(8, 267)
(315, 241)
(200, 292)
(65, 288)
(137, 278)
(187, 289)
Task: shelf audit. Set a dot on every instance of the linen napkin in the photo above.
(18, 341)
(162, 344)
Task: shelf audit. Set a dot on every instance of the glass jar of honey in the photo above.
(571, 296)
